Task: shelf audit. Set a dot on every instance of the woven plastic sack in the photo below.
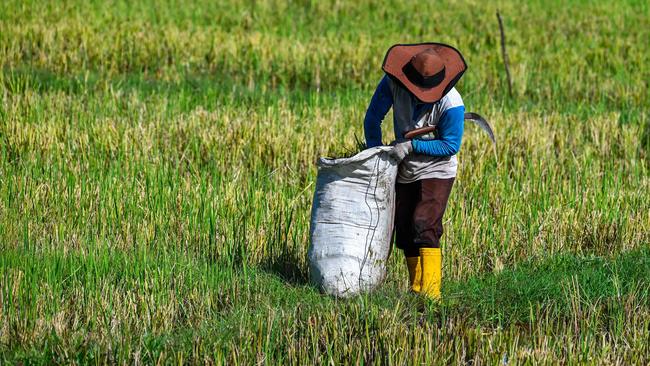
(352, 222)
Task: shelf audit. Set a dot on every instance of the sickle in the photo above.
(470, 116)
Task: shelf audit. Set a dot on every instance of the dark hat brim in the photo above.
(400, 54)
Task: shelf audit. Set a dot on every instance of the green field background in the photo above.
(157, 165)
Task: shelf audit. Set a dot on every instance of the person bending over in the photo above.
(419, 85)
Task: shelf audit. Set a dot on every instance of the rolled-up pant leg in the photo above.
(419, 211)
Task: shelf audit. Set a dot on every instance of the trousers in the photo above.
(419, 209)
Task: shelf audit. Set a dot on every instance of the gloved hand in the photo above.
(401, 148)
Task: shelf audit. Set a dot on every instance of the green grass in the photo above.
(157, 164)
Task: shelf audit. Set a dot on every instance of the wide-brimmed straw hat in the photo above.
(428, 70)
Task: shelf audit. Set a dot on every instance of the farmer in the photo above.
(419, 85)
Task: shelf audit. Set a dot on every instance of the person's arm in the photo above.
(380, 103)
(450, 134)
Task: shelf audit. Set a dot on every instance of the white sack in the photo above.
(352, 221)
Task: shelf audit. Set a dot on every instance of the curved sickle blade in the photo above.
(482, 123)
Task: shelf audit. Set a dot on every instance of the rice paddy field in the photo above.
(157, 167)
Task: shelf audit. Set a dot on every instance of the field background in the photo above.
(157, 164)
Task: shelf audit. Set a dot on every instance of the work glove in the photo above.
(401, 148)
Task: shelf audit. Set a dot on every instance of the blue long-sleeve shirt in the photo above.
(450, 124)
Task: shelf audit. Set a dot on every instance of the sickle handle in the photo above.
(419, 131)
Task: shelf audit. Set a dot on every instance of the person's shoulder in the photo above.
(388, 81)
(385, 84)
(452, 99)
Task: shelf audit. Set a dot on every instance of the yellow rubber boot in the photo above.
(431, 259)
(415, 273)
